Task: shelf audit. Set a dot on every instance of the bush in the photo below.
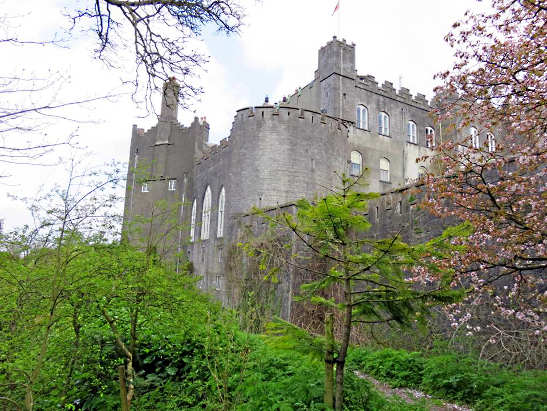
(398, 367)
(525, 391)
(484, 385)
(456, 378)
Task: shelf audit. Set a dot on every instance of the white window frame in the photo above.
(385, 172)
(144, 188)
(172, 185)
(475, 142)
(206, 214)
(193, 222)
(412, 132)
(362, 117)
(491, 142)
(356, 163)
(383, 123)
(430, 141)
(220, 220)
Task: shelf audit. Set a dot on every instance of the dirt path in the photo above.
(410, 395)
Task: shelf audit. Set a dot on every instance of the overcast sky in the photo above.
(276, 52)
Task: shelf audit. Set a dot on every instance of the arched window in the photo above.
(193, 222)
(429, 137)
(362, 117)
(411, 132)
(384, 170)
(474, 137)
(356, 163)
(206, 214)
(220, 221)
(491, 142)
(383, 123)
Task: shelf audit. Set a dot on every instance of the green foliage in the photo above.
(399, 368)
(283, 335)
(455, 378)
(484, 385)
(525, 391)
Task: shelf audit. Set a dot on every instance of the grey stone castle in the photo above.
(340, 122)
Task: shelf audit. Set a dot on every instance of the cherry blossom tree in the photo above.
(492, 109)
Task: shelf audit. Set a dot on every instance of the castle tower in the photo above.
(160, 175)
(336, 74)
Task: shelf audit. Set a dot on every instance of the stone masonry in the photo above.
(274, 155)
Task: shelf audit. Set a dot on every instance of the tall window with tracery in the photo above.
(193, 222)
(206, 214)
(220, 223)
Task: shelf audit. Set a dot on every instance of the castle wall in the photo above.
(272, 156)
(276, 155)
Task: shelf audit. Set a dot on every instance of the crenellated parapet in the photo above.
(387, 89)
(288, 114)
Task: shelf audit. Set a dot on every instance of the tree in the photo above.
(40, 279)
(498, 86)
(374, 276)
(159, 32)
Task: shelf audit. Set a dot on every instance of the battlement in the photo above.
(387, 89)
(340, 42)
(214, 151)
(288, 113)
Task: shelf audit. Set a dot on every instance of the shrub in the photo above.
(398, 367)
(526, 391)
(456, 378)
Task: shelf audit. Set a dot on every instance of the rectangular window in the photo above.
(218, 281)
(172, 185)
(384, 175)
(144, 187)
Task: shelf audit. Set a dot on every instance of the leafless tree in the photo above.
(160, 32)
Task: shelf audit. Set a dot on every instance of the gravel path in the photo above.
(410, 395)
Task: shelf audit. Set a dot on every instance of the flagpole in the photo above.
(339, 17)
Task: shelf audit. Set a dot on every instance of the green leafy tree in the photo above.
(40, 278)
(375, 277)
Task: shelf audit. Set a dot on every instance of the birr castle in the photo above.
(340, 122)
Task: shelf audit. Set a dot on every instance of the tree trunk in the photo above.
(341, 360)
(329, 361)
(123, 390)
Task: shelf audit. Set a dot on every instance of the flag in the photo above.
(336, 8)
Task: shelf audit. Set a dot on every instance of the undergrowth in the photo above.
(483, 385)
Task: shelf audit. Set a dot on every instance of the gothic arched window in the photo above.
(384, 170)
(362, 117)
(412, 132)
(193, 222)
(220, 221)
(356, 166)
(206, 214)
(383, 123)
